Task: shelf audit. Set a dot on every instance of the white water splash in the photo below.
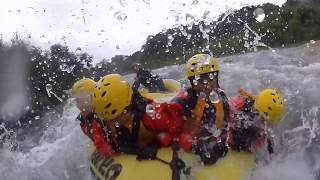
(61, 152)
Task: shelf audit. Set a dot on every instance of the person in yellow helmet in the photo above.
(206, 107)
(251, 115)
(82, 92)
(131, 118)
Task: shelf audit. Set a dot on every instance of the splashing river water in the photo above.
(58, 151)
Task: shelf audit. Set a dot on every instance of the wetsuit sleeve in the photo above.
(80, 118)
(136, 83)
(258, 144)
(142, 75)
(84, 128)
(270, 145)
(100, 141)
(268, 141)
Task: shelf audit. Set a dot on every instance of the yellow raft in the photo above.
(235, 166)
(171, 85)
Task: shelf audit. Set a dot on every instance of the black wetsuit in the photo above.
(150, 81)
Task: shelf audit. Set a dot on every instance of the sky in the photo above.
(105, 28)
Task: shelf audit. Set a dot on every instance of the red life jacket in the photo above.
(166, 121)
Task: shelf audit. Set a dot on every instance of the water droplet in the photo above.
(78, 51)
(189, 18)
(195, 2)
(27, 108)
(211, 76)
(259, 14)
(123, 3)
(207, 30)
(207, 154)
(188, 36)
(205, 81)
(150, 110)
(120, 15)
(195, 82)
(49, 89)
(66, 68)
(117, 124)
(184, 33)
(202, 95)
(213, 96)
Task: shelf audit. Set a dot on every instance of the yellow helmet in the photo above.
(201, 64)
(111, 96)
(270, 105)
(82, 91)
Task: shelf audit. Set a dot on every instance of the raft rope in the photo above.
(177, 165)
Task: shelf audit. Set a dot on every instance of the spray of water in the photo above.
(13, 97)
